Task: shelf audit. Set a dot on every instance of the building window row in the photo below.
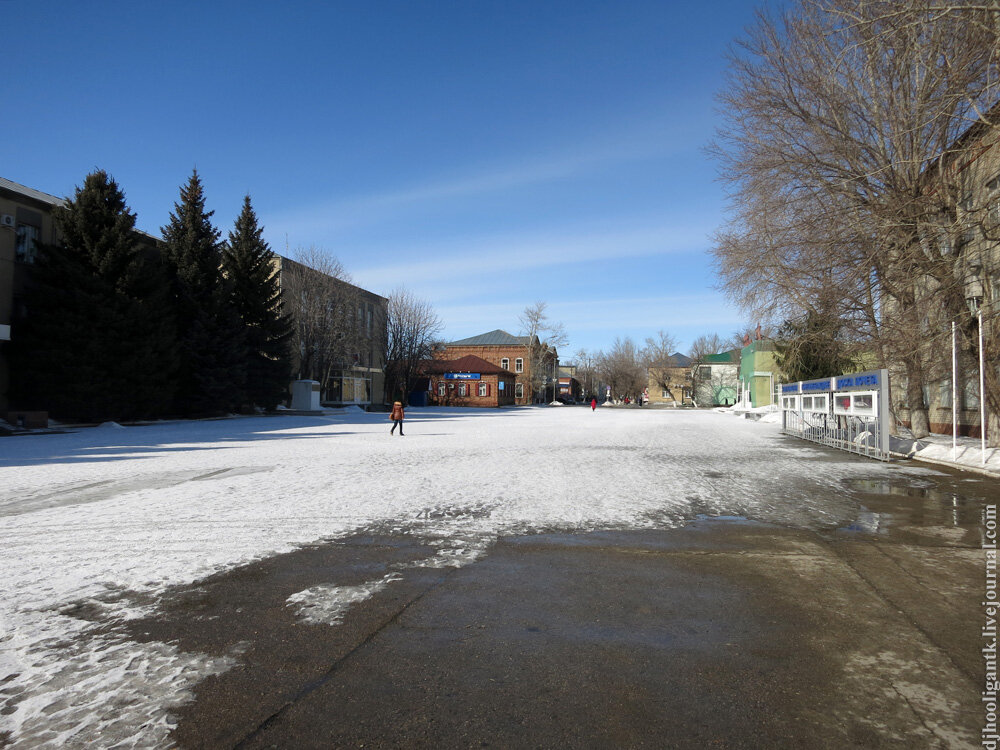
(462, 389)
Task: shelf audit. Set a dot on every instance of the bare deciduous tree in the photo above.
(661, 365)
(623, 369)
(323, 303)
(586, 370)
(544, 338)
(842, 116)
(412, 328)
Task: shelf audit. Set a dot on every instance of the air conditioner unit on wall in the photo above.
(6, 220)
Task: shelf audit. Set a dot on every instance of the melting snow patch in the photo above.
(327, 605)
(109, 426)
(100, 691)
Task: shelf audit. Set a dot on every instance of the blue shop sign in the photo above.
(866, 380)
(461, 376)
(816, 386)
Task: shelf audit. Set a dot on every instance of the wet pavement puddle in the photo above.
(937, 510)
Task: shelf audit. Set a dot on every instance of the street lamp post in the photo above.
(975, 300)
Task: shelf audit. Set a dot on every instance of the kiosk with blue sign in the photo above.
(850, 412)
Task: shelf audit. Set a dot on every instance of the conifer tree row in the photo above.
(98, 342)
(211, 375)
(120, 327)
(249, 266)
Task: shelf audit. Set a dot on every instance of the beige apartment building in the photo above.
(350, 370)
(974, 245)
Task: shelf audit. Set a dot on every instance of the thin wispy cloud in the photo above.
(333, 215)
(444, 262)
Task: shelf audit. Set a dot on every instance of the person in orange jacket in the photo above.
(397, 418)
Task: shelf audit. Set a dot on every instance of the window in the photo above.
(970, 393)
(864, 403)
(519, 390)
(24, 248)
(944, 394)
(442, 389)
(665, 393)
(505, 363)
(463, 389)
(993, 201)
(704, 373)
(518, 365)
(482, 389)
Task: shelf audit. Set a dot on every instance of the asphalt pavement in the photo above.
(724, 633)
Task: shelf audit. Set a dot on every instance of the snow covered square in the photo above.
(98, 523)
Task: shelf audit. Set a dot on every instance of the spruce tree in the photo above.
(96, 343)
(210, 377)
(256, 294)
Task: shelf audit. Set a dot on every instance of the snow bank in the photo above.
(967, 453)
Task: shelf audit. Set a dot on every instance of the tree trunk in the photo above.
(919, 421)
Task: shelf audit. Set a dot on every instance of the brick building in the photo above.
(467, 381)
(512, 354)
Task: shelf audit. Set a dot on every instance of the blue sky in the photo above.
(485, 155)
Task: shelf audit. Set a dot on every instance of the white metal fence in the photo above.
(849, 412)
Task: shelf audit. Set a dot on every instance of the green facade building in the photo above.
(758, 373)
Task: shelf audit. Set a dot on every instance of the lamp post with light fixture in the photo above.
(974, 298)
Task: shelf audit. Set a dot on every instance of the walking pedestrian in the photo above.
(397, 417)
(593, 404)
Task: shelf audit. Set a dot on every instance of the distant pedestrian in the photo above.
(593, 404)
(397, 418)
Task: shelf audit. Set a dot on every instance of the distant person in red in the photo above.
(397, 418)
(593, 404)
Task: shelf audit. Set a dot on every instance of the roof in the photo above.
(723, 358)
(37, 195)
(674, 360)
(28, 192)
(469, 363)
(493, 338)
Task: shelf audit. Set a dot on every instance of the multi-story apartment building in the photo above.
(669, 384)
(25, 217)
(340, 338)
(971, 242)
(513, 354)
